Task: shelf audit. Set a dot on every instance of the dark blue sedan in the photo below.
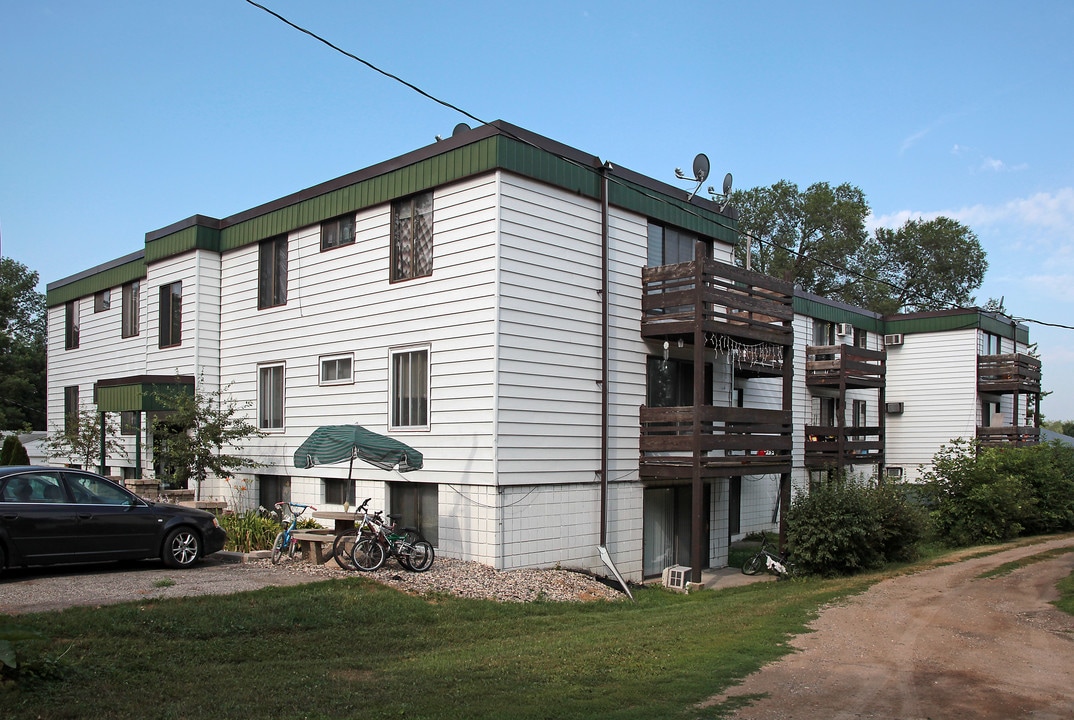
(60, 515)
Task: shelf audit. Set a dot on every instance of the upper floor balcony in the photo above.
(827, 446)
(717, 299)
(1013, 373)
(1008, 435)
(726, 441)
(845, 366)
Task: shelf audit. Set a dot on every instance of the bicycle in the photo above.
(378, 540)
(343, 545)
(285, 540)
(767, 558)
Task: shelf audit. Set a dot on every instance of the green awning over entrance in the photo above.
(139, 393)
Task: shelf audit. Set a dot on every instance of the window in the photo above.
(671, 383)
(37, 487)
(70, 409)
(336, 370)
(861, 338)
(272, 273)
(102, 301)
(338, 492)
(129, 422)
(668, 245)
(70, 335)
(270, 397)
(273, 489)
(990, 344)
(412, 237)
(418, 506)
(410, 388)
(338, 232)
(171, 314)
(131, 321)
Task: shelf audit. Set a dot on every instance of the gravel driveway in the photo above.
(941, 643)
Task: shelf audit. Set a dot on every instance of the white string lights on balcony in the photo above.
(765, 354)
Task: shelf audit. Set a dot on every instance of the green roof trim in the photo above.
(956, 320)
(93, 282)
(817, 308)
(194, 237)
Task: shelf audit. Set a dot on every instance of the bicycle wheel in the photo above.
(405, 547)
(292, 547)
(754, 565)
(343, 548)
(277, 548)
(421, 556)
(368, 554)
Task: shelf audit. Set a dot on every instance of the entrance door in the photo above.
(667, 528)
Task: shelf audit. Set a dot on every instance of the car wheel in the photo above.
(182, 548)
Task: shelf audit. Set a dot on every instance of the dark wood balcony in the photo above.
(717, 299)
(731, 441)
(1014, 373)
(845, 366)
(1008, 435)
(835, 447)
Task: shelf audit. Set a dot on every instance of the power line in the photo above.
(761, 241)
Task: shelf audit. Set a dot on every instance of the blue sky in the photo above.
(122, 117)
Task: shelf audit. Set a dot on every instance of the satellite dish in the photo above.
(701, 167)
(727, 184)
(460, 128)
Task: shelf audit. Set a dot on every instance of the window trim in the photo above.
(71, 323)
(131, 311)
(349, 380)
(339, 222)
(261, 368)
(274, 294)
(410, 203)
(393, 403)
(173, 337)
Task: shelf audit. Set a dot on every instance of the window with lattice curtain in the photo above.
(412, 237)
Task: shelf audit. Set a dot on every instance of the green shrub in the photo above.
(13, 452)
(846, 526)
(990, 495)
(249, 531)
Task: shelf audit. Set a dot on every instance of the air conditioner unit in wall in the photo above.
(895, 339)
(844, 329)
(676, 577)
(894, 408)
(893, 471)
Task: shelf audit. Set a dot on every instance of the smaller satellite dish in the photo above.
(727, 184)
(460, 128)
(701, 167)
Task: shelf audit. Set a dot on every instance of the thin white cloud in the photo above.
(1052, 211)
(912, 140)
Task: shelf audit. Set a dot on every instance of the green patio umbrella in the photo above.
(336, 443)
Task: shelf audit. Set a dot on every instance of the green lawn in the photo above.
(353, 648)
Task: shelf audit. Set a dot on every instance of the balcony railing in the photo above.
(1017, 372)
(732, 301)
(1008, 435)
(731, 441)
(845, 366)
(833, 446)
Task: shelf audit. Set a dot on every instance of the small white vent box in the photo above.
(844, 329)
(676, 577)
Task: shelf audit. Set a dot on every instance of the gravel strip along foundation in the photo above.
(48, 589)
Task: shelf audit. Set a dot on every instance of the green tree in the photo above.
(807, 237)
(196, 432)
(924, 265)
(817, 238)
(81, 442)
(22, 348)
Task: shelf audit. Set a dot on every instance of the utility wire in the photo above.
(612, 179)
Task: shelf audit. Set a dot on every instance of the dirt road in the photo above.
(942, 643)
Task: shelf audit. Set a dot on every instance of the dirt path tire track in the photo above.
(940, 643)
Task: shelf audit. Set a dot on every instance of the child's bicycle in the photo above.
(768, 558)
(343, 546)
(285, 541)
(378, 540)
